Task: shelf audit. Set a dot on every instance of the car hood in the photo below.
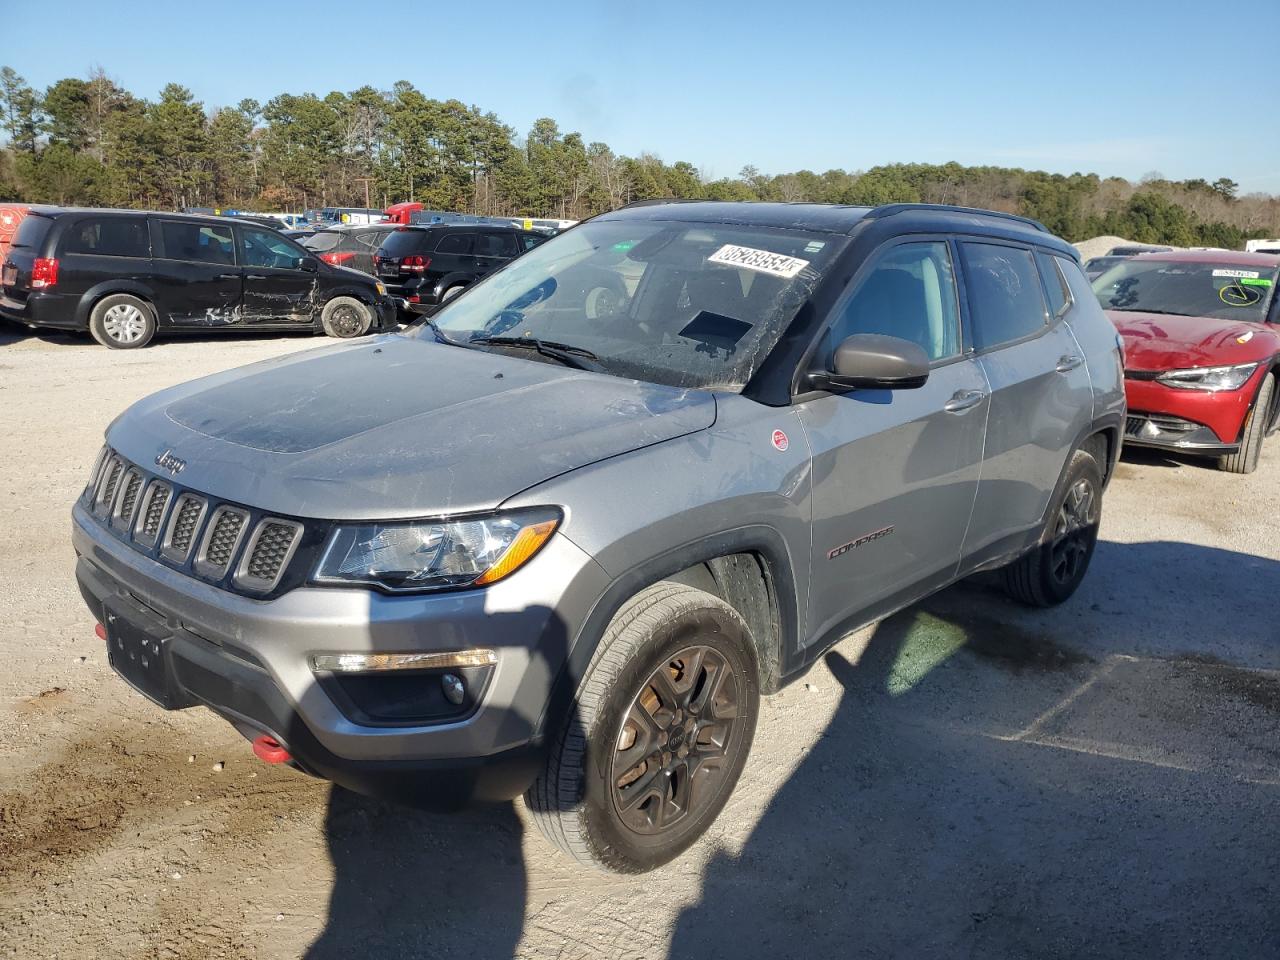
(1161, 341)
(397, 427)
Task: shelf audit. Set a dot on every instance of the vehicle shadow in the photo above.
(410, 882)
(993, 783)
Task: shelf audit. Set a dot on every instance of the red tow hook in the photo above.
(100, 630)
(268, 750)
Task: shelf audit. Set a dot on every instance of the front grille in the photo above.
(154, 501)
(226, 527)
(188, 511)
(1132, 425)
(203, 536)
(268, 553)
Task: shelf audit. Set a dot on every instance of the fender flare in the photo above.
(105, 289)
(752, 538)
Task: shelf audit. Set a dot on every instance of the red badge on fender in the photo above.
(780, 441)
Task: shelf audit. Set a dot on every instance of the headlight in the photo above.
(425, 554)
(1209, 378)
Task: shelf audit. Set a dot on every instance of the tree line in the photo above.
(88, 141)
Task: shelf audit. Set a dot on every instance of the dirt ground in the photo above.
(968, 778)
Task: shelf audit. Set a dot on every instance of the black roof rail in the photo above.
(889, 209)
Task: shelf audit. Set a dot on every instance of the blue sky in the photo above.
(1119, 88)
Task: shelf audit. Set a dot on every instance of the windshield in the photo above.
(1187, 288)
(685, 304)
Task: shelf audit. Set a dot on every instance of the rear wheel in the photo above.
(1051, 572)
(1245, 460)
(661, 729)
(122, 322)
(450, 294)
(346, 317)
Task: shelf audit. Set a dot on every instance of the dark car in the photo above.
(123, 275)
(352, 247)
(425, 266)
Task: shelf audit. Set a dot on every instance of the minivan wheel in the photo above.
(1051, 572)
(1245, 460)
(661, 728)
(346, 317)
(122, 322)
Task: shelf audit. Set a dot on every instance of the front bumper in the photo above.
(1220, 413)
(249, 661)
(1172, 433)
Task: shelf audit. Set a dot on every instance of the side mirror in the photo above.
(872, 361)
(309, 264)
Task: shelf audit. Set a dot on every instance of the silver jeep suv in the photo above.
(559, 539)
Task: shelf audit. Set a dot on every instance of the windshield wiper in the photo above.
(579, 358)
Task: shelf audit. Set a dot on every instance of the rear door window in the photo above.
(198, 242)
(498, 245)
(1006, 301)
(109, 237)
(459, 243)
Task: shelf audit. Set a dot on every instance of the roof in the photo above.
(1233, 258)
(820, 217)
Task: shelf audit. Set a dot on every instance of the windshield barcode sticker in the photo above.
(762, 261)
(1238, 274)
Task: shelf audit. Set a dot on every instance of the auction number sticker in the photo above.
(762, 261)
(1237, 274)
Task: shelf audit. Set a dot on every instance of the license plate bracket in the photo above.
(141, 657)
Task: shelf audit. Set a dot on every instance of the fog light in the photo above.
(454, 690)
(372, 662)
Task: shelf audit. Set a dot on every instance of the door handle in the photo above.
(963, 400)
(1068, 362)
(256, 276)
(227, 276)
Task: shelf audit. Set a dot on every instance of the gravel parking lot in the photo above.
(967, 778)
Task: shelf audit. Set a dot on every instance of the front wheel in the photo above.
(346, 317)
(660, 731)
(1051, 572)
(1245, 460)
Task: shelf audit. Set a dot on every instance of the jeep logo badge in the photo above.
(167, 461)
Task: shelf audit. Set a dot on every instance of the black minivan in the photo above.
(125, 275)
(425, 266)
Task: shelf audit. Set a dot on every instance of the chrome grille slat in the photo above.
(184, 522)
(107, 486)
(150, 515)
(227, 526)
(268, 554)
(127, 499)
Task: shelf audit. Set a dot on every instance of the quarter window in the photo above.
(1006, 300)
(910, 293)
(1054, 284)
(109, 237)
(201, 242)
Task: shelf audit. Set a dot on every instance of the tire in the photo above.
(579, 798)
(1245, 460)
(1050, 573)
(122, 322)
(450, 294)
(346, 317)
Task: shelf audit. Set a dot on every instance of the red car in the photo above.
(1201, 336)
